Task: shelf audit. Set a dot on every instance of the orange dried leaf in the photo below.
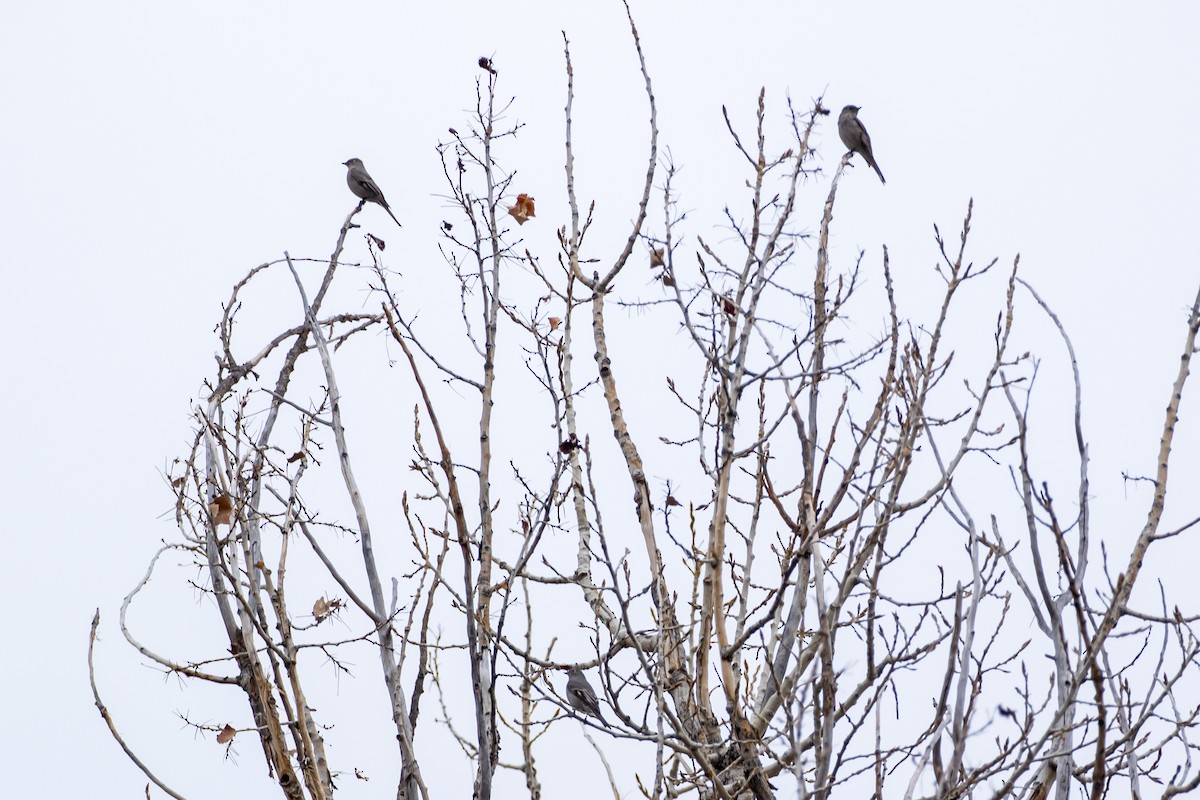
(526, 202)
(221, 510)
(226, 735)
(554, 323)
(296, 456)
(523, 209)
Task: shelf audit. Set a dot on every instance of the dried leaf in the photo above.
(380, 243)
(226, 735)
(523, 209)
(728, 306)
(657, 257)
(296, 456)
(323, 608)
(554, 323)
(486, 63)
(221, 510)
(671, 501)
(667, 280)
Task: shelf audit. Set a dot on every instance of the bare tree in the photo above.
(833, 606)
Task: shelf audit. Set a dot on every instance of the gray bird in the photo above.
(856, 138)
(364, 186)
(580, 694)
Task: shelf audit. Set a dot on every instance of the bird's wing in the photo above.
(367, 183)
(584, 694)
(866, 137)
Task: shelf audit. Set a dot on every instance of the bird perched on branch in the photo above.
(856, 138)
(364, 186)
(580, 694)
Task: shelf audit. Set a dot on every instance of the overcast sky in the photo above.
(156, 151)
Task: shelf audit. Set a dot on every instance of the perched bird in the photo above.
(580, 694)
(856, 138)
(364, 186)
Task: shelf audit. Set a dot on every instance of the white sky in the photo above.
(155, 151)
